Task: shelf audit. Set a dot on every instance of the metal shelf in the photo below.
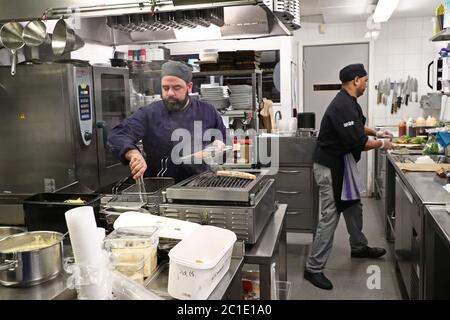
(226, 73)
(443, 35)
(236, 113)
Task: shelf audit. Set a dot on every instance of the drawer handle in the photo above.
(295, 213)
(290, 171)
(289, 192)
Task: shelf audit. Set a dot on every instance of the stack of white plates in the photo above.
(215, 95)
(214, 92)
(241, 97)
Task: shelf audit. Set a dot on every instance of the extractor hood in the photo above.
(122, 22)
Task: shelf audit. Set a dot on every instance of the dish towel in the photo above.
(443, 138)
(352, 185)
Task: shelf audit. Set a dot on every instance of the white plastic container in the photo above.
(199, 261)
(168, 227)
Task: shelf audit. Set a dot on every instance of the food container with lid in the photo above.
(133, 251)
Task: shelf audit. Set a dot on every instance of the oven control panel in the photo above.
(83, 91)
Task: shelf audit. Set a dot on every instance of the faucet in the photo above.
(279, 113)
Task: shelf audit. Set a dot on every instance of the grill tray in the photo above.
(208, 186)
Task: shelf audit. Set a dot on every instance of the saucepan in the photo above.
(9, 230)
(30, 258)
(11, 38)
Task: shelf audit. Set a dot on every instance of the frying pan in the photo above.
(11, 38)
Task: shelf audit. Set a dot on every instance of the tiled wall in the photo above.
(403, 48)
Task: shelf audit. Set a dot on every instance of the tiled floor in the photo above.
(348, 275)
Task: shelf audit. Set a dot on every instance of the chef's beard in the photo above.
(175, 105)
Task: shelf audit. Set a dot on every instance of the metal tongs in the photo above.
(164, 166)
(141, 189)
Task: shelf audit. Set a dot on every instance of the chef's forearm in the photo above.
(370, 131)
(373, 144)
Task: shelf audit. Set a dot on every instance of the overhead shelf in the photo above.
(443, 35)
(225, 73)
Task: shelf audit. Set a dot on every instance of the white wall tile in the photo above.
(414, 27)
(413, 45)
(396, 62)
(428, 27)
(381, 47)
(427, 46)
(396, 28)
(396, 46)
(381, 64)
(413, 61)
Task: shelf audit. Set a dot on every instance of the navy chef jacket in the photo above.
(154, 124)
(341, 132)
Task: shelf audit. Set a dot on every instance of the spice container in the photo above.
(402, 128)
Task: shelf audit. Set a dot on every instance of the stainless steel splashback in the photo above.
(44, 148)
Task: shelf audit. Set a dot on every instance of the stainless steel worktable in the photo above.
(427, 186)
(45, 291)
(229, 286)
(271, 243)
(437, 253)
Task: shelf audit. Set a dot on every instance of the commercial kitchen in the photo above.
(79, 219)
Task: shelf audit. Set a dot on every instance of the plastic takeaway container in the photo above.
(199, 261)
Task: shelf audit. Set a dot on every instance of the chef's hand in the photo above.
(218, 145)
(387, 144)
(385, 134)
(137, 163)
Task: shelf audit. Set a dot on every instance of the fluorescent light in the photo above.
(384, 10)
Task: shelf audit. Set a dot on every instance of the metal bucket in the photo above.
(30, 267)
(7, 231)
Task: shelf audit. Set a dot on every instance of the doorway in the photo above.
(321, 66)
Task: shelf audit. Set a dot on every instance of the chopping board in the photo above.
(422, 167)
(408, 145)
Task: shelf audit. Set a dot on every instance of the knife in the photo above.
(416, 90)
(408, 90)
(400, 86)
(393, 97)
(380, 92)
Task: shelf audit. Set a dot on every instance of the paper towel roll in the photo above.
(83, 234)
(101, 235)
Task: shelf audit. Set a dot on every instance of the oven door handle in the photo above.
(290, 171)
(288, 192)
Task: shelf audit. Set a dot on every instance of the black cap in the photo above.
(176, 69)
(351, 71)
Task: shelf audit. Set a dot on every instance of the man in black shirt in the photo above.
(342, 132)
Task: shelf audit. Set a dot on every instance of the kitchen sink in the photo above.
(412, 158)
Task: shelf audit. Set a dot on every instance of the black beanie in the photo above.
(351, 71)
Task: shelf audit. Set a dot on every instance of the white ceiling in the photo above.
(341, 11)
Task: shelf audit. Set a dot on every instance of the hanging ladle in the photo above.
(11, 38)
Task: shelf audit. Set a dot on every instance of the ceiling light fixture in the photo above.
(384, 10)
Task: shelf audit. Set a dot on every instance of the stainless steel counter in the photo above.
(228, 288)
(437, 253)
(46, 291)
(441, 219)
(425, 186)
